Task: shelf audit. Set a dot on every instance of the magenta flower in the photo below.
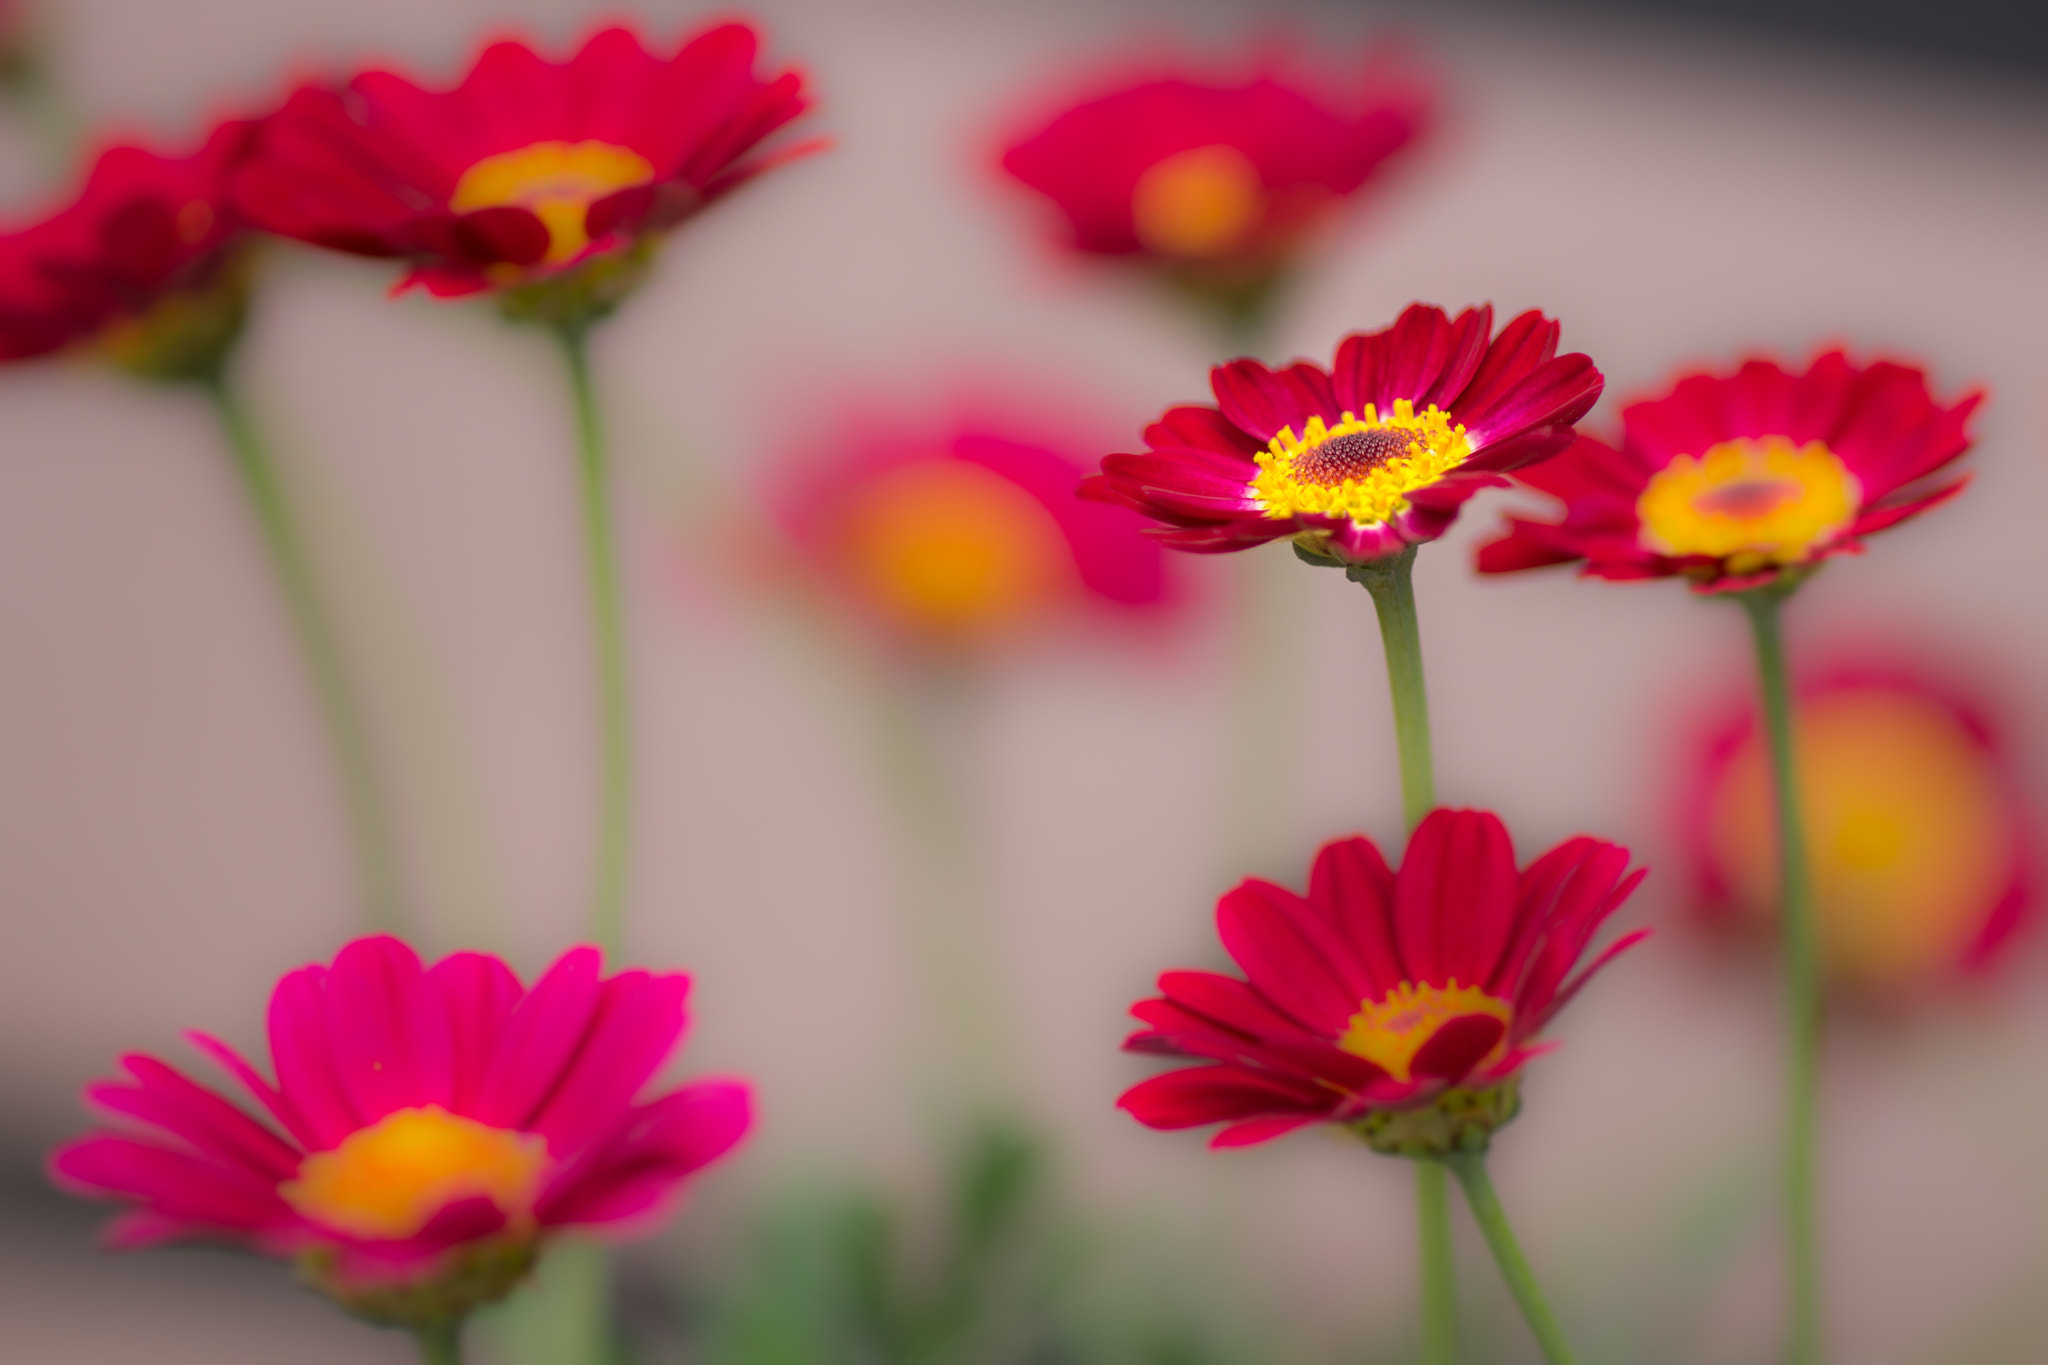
(429, 1128)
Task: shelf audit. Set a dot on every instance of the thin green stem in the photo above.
(1390, 581)
(1439, 1268)
(440, 1342)
(615, 776)
(319, 648)
(1802, 986)
(1470, 1168)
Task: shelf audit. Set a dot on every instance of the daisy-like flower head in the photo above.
(1919, 840)
(1736, 481)
(1218, 180)
(1360, 461)
(146, 262)
(529, 172)
(964, 536)
(1401, 1005)
(427, 1131)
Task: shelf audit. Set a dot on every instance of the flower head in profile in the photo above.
(1219, 181)
(1918, 837)
(1360, 461)
(427, 1131)
(147, 263)
(528, 171)
(963, 535)
(1401, 1005)
(1738, 481)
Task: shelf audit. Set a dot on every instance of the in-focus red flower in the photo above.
(1367, 458)
(142, 262)
(964, 534)
(1402, 1005)
(429, 1128)
(1735, 480)
(528, 168)
(1919, 839)
(1222, 177)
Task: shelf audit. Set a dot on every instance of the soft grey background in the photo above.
(169, 841)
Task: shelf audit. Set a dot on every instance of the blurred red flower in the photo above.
(141, 259)
(1222, 177)
(526, 169)
(429, 1127)
(964, 535)
(1732, 481)
(1367, 458)
(1400, 1004)
(1919, 839)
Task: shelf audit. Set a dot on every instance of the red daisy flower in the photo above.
(526, 169)
(1401, 1005)
(1736, 480)
(1918, 837)
(143, 261)
(1367, 458)
(430, 1127)
(1222, 177)
(966, 535)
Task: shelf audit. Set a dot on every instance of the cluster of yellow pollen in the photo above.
(1752, 501)
(1390, 1032)
(1198, 204)
(388, 1181)
(1362, 468)
(558, 181)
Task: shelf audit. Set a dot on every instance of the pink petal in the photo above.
(389, 1030)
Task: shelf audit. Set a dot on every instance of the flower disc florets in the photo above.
(1362, 467)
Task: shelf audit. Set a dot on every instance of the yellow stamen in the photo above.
(1362, 468)
(950, 547)
(1752, 501)
(1390, 1032)
(1197, 204)
(1906, 824)
(390, 1179)
(558, 181)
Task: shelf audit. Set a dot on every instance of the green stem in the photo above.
(440, 1342)
(1802, 985)
(1390, 581)
(348, 737)
(608, 900)
(1470, 1168)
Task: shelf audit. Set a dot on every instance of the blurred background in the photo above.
(1680, 185)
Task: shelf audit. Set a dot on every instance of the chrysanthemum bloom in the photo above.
(965, 536)
(1918, 837)
(429, 1129)
(148, 263)
(1401, 1005)
(1218, 182)
(529, 172)
(1358, 462)
(1739, 481)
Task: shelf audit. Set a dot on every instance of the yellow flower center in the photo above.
(1197, 204)
(1362, 468)
(1752, 501)
(1905, 825)
(1390, 1032)
(558, 181)
(949, 547)
(388, 1181)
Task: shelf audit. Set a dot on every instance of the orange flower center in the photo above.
(558, 181)
(1197, 204)
(388, 1181)
(1752, 501)
(1390, 1032)
(1906, 827)
(952, 548)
